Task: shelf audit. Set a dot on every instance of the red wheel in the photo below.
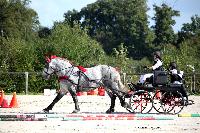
(141, 102)
(178, 102)
(169, 102)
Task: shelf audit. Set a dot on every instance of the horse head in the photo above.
(56, 65)
(49, 68)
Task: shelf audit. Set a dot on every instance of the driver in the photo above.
(157, 65)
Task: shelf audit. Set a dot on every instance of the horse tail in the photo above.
(122, 86)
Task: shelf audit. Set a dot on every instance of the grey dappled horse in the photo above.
(75, 79)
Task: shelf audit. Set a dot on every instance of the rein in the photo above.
(48, 60)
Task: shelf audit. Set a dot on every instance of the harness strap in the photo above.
(63, 78)
(82, 68)
(81, 73)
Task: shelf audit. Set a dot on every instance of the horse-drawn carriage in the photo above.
(163, 96)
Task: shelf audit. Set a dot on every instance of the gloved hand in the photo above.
(145, 67)
(149, 67)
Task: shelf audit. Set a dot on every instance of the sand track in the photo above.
(91, 105)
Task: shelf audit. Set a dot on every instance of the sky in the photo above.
(50, 11)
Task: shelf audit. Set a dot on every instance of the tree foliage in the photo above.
(44, 32)
(17, 20)
(186, 55)
(112, 22)
(164, 33)
(74, 44)
(189, 30)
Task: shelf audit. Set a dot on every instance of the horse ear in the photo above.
(47, 59)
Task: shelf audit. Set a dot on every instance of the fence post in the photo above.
(26, 82)
(124, 78)
(194, 82)
(191, 84)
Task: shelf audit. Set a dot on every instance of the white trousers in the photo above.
(144, 77)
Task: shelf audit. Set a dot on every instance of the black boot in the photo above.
(56, 99)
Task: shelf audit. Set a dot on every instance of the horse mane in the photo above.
(65, 59)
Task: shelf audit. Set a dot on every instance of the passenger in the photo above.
(176, 77)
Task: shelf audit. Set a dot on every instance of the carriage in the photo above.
(162, 96)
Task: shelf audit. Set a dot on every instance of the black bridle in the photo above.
(69, 72)
(47, 68)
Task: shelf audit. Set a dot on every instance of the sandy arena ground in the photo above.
(93, 104)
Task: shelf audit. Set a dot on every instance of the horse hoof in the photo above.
(45, 110)
(126, 105)
(109, 111)
(130, 110)
(76, 111)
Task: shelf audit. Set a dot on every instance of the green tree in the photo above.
(186, 54)
(17, 20)
(120, 54)
(189, 30)
(164, 21)
(72, 43)
(112, 22)
(44, 32)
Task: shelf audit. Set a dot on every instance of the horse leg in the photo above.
(56, 99)
(120, 95)
(77, 109)
(124, 103)
(75, 99)
(112, 106)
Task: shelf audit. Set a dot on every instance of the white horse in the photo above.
(75, 79)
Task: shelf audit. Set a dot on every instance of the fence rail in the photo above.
(33, 82)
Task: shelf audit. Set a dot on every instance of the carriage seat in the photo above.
(160, 78)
